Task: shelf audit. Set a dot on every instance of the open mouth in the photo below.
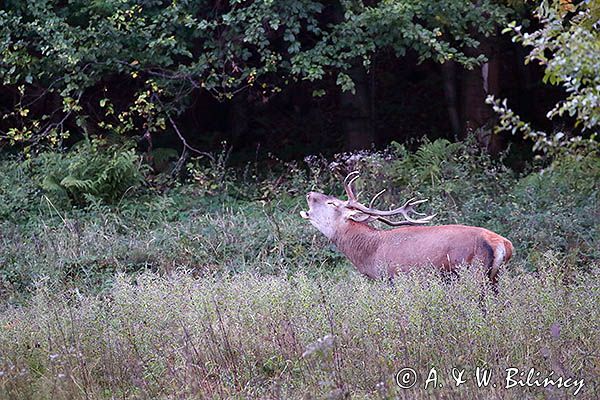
(304, 214)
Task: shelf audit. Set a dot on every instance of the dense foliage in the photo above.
(126, 66)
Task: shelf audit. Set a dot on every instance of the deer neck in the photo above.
(358, 242)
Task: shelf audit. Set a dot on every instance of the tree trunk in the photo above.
(356, 112)
(355, 109)
(450, 93)
(477, 84)
(239, 118)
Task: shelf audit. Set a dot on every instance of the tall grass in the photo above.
(251, 336)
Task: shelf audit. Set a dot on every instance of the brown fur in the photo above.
(386, 253)
(359, 244)
(378, 252)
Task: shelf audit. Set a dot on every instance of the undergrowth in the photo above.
(224, 220)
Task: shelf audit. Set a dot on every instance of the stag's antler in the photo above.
(380, 215)
(348, 181)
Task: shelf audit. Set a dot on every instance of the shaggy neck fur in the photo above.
(359, 243)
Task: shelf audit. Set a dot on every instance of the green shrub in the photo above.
(90, 171)
(19, 192)
(558, 208)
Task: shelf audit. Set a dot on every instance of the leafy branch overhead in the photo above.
(118, 65)
(567, 45)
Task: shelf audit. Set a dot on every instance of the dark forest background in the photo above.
(287, 77)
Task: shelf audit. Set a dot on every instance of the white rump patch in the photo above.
(499, 254)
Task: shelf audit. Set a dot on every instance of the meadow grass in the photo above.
(256, 336)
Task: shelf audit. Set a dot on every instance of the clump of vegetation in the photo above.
(567, 46)
(92, 170)
(19, 192)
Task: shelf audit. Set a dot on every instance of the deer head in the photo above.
(329, 214)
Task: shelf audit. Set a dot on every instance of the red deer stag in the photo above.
(385, 253)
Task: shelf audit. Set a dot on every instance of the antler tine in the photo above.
(375, 198)
(411, 205)
(351, 174)
(348, 181)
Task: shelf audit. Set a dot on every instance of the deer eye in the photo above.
(331, 203)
